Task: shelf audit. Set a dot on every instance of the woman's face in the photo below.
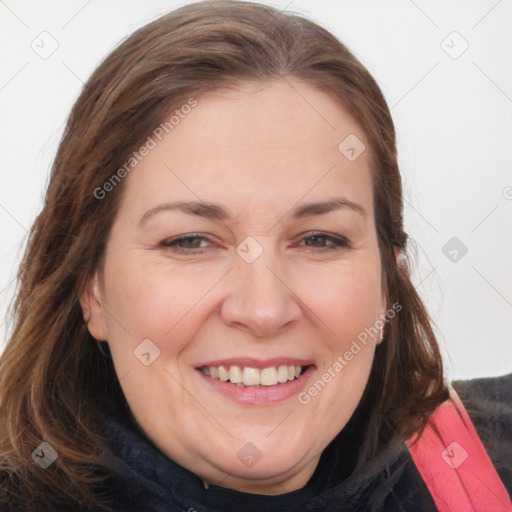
(244, 247)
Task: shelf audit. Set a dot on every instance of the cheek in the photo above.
(349, 308)
(346, 300)
(145, 300)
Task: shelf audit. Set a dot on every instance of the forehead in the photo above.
(256, 144)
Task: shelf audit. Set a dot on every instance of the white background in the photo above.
(453, 118)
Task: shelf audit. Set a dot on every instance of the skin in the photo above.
(259, 151)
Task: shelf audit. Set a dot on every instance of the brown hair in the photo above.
(52, 370)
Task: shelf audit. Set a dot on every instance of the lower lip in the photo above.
(259, 396)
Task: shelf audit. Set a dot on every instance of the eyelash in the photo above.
(338, 243)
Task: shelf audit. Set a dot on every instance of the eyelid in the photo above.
(172, 242)
(338, 241)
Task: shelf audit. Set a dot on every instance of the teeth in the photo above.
(252, 376)
(269, 376)
(223, 373)
(282, 373)
(235, 374)
(248, 376)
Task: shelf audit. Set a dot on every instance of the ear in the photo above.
(397, 252)
(93, 311)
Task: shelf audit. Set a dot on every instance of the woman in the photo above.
(214, 310)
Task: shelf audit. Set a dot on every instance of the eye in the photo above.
(324, 241)
(190, 242)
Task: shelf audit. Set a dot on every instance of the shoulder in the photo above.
(488, 402)
(495, 389)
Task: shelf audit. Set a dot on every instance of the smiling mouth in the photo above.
(246, 376)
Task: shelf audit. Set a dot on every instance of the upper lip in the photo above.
(257, 363)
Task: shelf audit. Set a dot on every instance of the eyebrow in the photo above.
(207, 210)
(217, 212)
(308, 209)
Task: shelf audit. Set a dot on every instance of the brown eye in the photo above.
(316, 240)
(324, 241)
(187, 242)
(191, 242)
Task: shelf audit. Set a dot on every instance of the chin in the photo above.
(261, 459)
(259, 475)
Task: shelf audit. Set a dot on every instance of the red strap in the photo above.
(455, 466)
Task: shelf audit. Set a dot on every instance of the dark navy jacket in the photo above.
(148, 481)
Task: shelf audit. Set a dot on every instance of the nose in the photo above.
(259, 300)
